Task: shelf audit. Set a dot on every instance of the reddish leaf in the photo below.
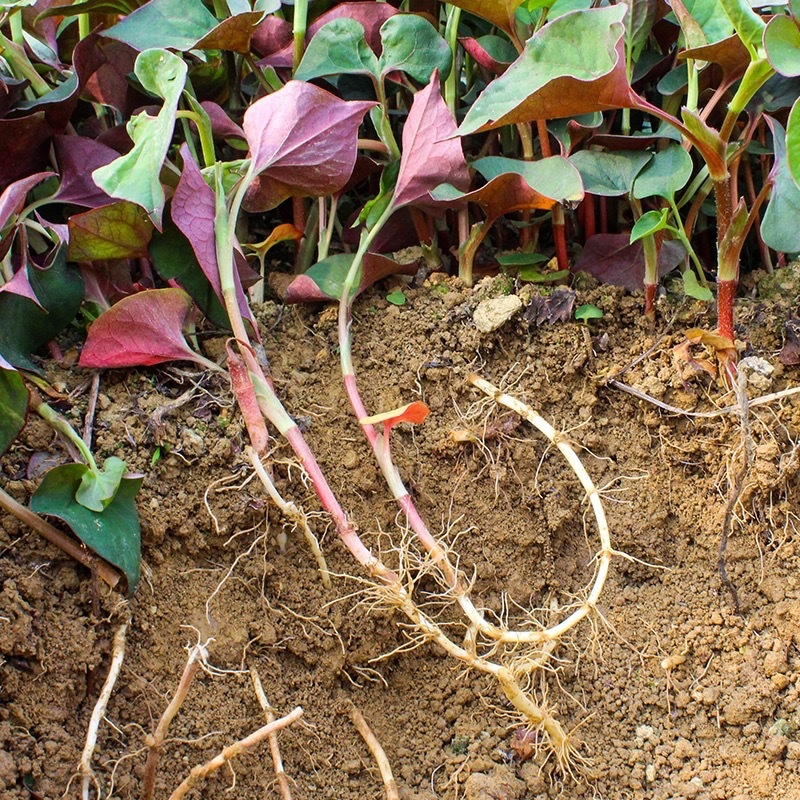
(21, 285)
(271, 35)
(482, 56)
(13, 198)
(303, 141)
(730, 54)
(109, 85)
(611, 258)
(222, 125)
(415, 413)
(233, 33)
(790, 353)
(25, 145)
(430, 157)
(552, 308)
(370, 15)
(140, 330)
(498, 12)
(78, 157)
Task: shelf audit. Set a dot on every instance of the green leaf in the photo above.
(747, 24)
(113, 534)
(691, 287)
(609, 174)
(648, 224)
(587, 311)
(711, 18)
(553, 177)
(27, 326)
(178, 24)
(779, 225)
(13, 404)
(98, 488)
(708, 142)
(119, 230)
(136, 175)
(533, 275)
(666, 173)
(337, 48)
(793, 142)
(521, 259)
(570, 66)
(396, 297)
(782, 43)
(413, 45)
(330, 273)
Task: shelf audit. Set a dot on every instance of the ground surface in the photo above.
(676, 694)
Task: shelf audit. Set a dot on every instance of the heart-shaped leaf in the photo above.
(136, 175)
(113, 533)
(338, 48)
(611, 258)
(667, 172)
(118, 230)
(573, 65)
(324, 281)
(177, 24)
(303, 141)
(782, 43)
(78, 157)
(609, 174)
(140, 330)
(648, 224)
(412, 45)
(430, 156)
(13, 404)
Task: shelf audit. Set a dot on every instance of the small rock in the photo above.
(494, 313)
(758, 372)
(775, 747)
(500, 784)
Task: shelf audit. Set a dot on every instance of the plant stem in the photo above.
(204, 133)
(93, 563)
(451, 35)
(299, 26)
(60, 424)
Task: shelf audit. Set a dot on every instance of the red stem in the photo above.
(726, 292)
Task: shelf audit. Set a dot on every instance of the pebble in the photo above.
(494, 313)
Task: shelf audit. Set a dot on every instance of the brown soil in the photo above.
(675, 692)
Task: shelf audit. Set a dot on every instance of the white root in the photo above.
(85, 765)
(274, 748)
(378, 753)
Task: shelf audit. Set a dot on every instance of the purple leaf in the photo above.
(25, 145)
(78, 157)
(13, 198)
(303, 141)
(611, 258)
(140, 330)
(193, 211)
(21, 285)
(222, 126)
(271, 35)
(429, 156)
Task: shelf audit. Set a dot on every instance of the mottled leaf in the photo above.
(140, 330)
(113, 533)
(136, 175)
(118, 230)
(549, 309)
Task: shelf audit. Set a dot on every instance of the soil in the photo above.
(674, 689)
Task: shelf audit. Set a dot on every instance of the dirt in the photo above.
(674, 689)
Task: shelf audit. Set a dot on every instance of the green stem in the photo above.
(299, 27)
(451, 34)
(684, 240)
(21, 66)
(15, 23)
(204, 132)
(84, 26)
(60, 424)
(693, 91)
